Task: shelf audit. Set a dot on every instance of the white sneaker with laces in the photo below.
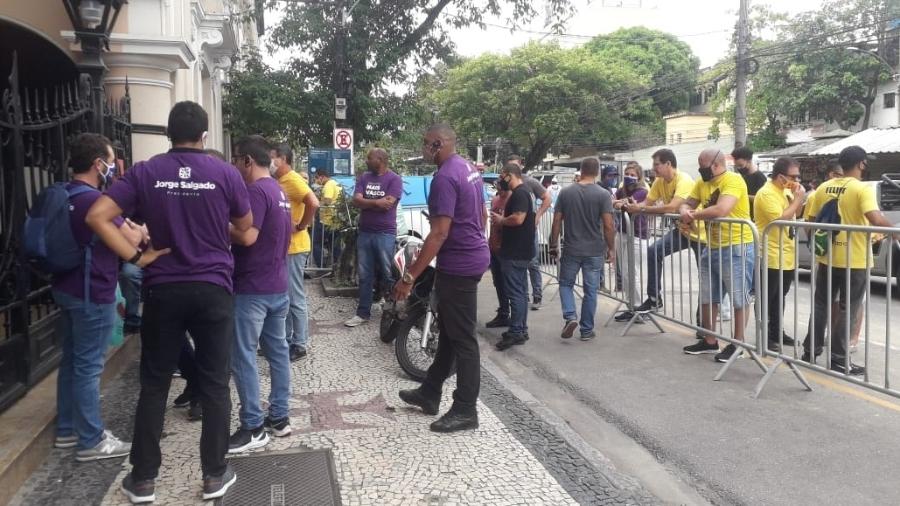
(356, 321)
(109, 447)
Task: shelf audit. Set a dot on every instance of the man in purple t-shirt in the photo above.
(87, 319)
(377, 193)
(261, 300)
(187, 199)
(458, 216)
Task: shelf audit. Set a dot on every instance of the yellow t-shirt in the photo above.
(768, 206)
(330, 190)
(680, 186)
(296, 189)
(708, 193)
(856, 199)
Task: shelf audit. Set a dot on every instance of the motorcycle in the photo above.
(412, 324)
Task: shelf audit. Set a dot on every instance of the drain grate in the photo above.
(295, 478)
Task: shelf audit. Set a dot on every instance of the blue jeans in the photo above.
(130, 278)
(515, 281)
(591, 274)
(534, 270)
(259, 320)
(297, 321)
(497, 276)
(374, 252)
(672, 242)
(87, 328)
(731, 267)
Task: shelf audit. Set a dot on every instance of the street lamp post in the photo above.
(93, 20)
(895, 74)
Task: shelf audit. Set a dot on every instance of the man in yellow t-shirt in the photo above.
(669, 190)
(303, 209)
(325, 231)
(779, 199)
(857, 205)
(729, 258)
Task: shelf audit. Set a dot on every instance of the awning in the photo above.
(873, 140)
(800, 150)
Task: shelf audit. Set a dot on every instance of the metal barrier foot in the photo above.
(613, 314)
(649, 317)
(766, 377)
(737, 354)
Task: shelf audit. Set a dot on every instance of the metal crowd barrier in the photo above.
(326, 238)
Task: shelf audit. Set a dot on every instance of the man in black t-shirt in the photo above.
(516, 251)
(753, 178)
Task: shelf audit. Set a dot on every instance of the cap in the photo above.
(609, 169)
(851, 155)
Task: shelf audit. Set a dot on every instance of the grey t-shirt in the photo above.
(582, 206)
(535, 187)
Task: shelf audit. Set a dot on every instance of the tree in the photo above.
(538, 97)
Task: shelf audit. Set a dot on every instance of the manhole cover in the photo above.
(284, 479)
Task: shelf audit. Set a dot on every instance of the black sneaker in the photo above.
(279, 428)
(510, 340)
(417, 397)
(569, 329)
(649, 305)
(837, 365)
(297, 353)
(498, 322)
(726, 353)
(216, 486)
(535, 303)
(244, 440)
(195, 412)
(589, 336)
(701, 347)
(138, 491)
(453, 421)
(624, 317)
(183, 400)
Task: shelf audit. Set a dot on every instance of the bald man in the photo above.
(728, 259)
(377, 193)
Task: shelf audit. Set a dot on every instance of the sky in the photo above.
(706, 25)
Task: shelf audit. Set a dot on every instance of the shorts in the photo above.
(730, 267)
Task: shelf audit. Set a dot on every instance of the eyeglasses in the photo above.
(793, 177)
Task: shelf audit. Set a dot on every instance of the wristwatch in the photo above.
(407, 278)
(137, 256)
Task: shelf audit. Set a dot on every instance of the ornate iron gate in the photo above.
(35, 125)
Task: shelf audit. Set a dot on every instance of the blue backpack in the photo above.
(48, 240)
(829, 214)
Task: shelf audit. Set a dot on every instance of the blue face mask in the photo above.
(611, 181)
(630, 180)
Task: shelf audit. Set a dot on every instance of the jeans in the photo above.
(775, 300)
(592, 272)
(457, 305)
(187, 364)
(87, 328)
(297, 321)
(730, 267)
(325, 238)
(130, 278)
(515, 281)
(374, 252)
(819, 318)
(497, 276)
(206, 311)
(534, 270)
(259, 321)
(672, 242)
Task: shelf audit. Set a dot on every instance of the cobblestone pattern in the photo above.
(345, 398)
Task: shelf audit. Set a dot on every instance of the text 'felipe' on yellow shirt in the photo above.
(708, 195)
(296, 189)
(855, 200)
(768, 205)
(680, 186)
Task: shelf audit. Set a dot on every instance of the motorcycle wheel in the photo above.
(387, 329)
(412, 358)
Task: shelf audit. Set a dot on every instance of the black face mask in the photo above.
(706, 173)
(503, 185)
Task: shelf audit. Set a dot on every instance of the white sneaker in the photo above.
(356, 321)
(109, 447)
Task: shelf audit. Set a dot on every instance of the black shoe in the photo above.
(216, 486)
(416, 397)
(510, 340)
(726, 353)
(244, 439)
(453, 421)
(279, 428)
(497, 322)
(806, 358)
(701, 347)
(195, 412)
(774, 346)
(138, 491)
(183, 400)
(297, 353)
(589, 336)
(132, 329)
(624, 317)
(649, 305)
(837, 365)
(787, 340)
(535, 303)
(569, 329)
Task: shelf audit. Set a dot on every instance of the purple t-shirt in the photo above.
(261, 269)
(374, 187)
(187, 199)
(457, 192)
(104, 263)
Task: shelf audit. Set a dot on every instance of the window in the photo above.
(679, 138)
(671, 138)
(890, 100)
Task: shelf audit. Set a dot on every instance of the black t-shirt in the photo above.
(754, 181)
(518, 242)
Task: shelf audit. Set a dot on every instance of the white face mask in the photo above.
(272, 168)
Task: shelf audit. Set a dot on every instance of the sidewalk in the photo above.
(345, 399)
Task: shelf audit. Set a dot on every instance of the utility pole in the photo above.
(740, 94)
